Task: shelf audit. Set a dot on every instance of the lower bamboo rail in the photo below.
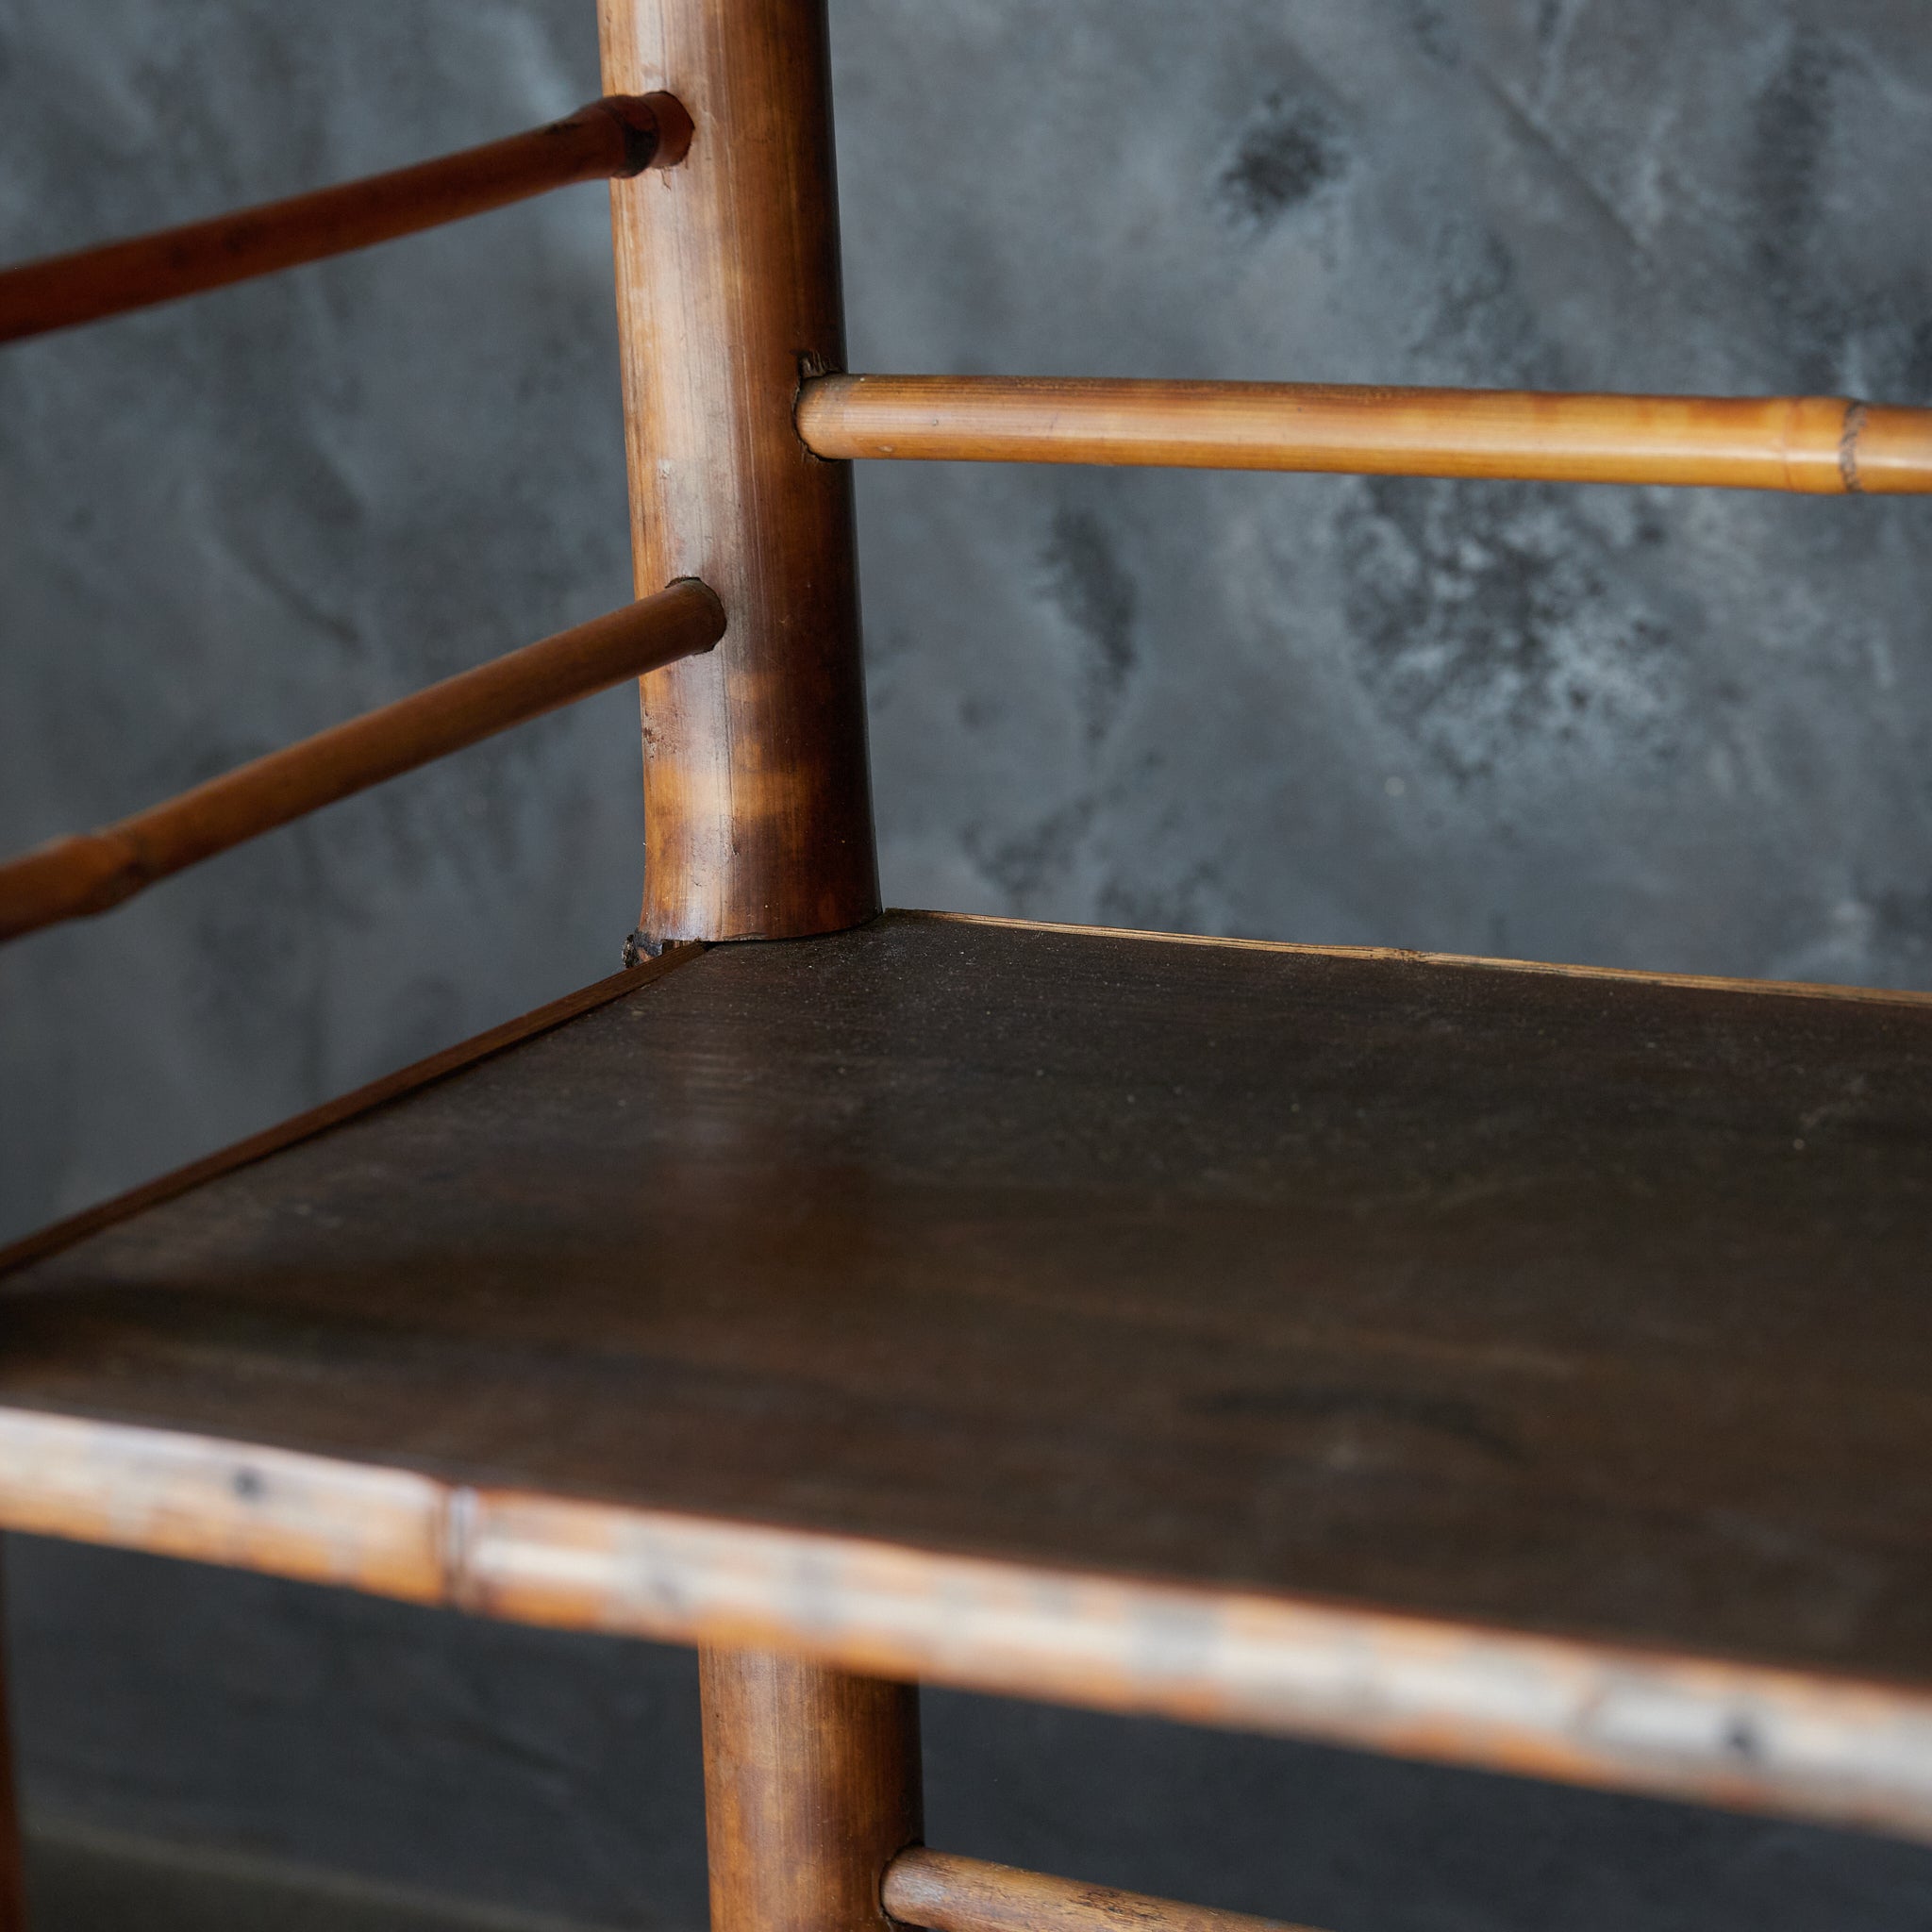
(72, 877)
(1820, 445)
(619, 136)
(943, 1893)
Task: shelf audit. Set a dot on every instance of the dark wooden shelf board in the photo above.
(1519, 1366)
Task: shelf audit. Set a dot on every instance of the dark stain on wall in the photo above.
(1915, 368)
(1091, 587)
(1787, 159)
(1029, 864)
(1290, 153)
(1430, 24)
(1488, 616)
(1904, 921)
(1482, 322)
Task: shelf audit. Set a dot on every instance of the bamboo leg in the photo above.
(811, 1787)
(12, 1879)
(757, 801)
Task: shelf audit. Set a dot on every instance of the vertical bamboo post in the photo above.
(811, 1789)
(13, 1868)
(758, 807)
(757, 800)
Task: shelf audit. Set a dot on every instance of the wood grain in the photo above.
(615, 137)
(945, 1893)
(333, 1113)
(758, 809)
(811, 1785)
(1819, 445)
(1519, 1367)
(73, 877)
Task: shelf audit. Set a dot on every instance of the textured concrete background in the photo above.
(1680, 731)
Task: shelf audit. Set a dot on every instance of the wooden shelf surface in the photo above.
(1515, 1365)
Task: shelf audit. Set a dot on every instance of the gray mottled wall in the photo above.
(1682, 731)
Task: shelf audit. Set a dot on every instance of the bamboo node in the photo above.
(1856, 414)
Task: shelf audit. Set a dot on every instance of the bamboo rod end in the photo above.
(696, 592)
(658, 130)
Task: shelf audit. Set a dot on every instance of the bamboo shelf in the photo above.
(1515, 1366)
(1518, 1366)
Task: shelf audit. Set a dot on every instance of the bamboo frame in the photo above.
(73, 877)
(616, 136)
(943, 1893)
(1817, 445)
(759, 825)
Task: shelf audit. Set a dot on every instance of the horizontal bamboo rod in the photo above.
(72, 877)
(943, 1893)
(1822, 446)
(621, 136)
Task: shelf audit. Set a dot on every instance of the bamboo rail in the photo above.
(614, 137)
(943, 1893)
(1820, 445)
(72, 877)
(811, 1785)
